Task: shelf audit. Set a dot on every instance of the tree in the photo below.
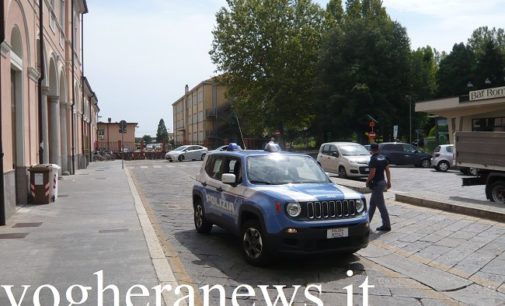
(268, 50)
(162, 133)
(147, 139)
(364, 69)
(455, 71)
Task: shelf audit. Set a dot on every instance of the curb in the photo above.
(160, 263)
(488, 212)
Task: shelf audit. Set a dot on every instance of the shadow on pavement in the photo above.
(221, 250)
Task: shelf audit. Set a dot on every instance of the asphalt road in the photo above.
(429, 258)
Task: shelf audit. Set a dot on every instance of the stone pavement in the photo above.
(460, 251)
(447, 201)
(91, 232)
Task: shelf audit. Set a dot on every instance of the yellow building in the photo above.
(200, 114)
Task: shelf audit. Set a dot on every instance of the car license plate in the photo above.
(337, 232)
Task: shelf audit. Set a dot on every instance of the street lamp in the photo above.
(410, 118)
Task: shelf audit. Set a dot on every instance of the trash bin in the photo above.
(41, 187)
(56, 170)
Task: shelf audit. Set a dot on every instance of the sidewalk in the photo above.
(92, 229)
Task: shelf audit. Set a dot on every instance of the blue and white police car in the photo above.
(278, 202)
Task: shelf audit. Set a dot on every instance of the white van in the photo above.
(348, 159)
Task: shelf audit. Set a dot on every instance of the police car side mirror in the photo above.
(228, 178)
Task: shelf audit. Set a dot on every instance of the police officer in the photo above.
(376, 181)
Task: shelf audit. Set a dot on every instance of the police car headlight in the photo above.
(360, 205)
(293, 209)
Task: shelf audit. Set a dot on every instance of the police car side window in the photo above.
(210, 165)
(216, 169)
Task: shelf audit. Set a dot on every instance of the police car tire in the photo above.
(181, 157)
(254, 244)
(201, 224)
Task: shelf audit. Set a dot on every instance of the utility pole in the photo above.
(410, 120)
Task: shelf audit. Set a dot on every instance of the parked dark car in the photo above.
(399, 153)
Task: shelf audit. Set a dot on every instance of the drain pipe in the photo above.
(73, 85)
(93, 96)
(2, 191)
(39, 81)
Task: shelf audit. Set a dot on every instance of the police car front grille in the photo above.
(329, 209)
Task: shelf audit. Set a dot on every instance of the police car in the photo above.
(278, 202)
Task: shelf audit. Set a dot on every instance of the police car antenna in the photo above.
(240, 130)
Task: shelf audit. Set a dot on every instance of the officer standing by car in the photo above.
(376, 181)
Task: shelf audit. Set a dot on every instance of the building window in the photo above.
(62, 13)
(101, 134)
(489, 124)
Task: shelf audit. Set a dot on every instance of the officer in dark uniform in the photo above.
(376, 181)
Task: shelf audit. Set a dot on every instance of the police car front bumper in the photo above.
(315, 240)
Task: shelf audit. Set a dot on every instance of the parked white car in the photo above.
(345, 158)
(188, 152)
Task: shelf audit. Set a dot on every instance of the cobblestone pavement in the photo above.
(428, 180)
(429, 258)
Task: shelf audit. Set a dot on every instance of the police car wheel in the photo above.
(203, 156)
(181, 158)
(201, 224)
(253, 244)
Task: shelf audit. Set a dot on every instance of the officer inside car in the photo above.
(378, 166)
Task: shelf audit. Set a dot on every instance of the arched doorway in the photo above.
(64, 134)
(17, 118)
(53, 116)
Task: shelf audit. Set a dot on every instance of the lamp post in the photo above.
(410, 117)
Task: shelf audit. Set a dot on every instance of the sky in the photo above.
(139, 55)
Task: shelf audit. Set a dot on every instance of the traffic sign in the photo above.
(371, 123)
(371, 134)
(122, 126)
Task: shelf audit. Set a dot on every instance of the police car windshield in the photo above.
(353, 150)
(278, 169)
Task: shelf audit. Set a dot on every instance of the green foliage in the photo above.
(364, 69)
(147, 139)
(162, 133)
(268, 51)
(483, 58)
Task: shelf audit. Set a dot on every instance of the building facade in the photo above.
(480, 110)
(109, 139)
(45, 108)
(200, 114)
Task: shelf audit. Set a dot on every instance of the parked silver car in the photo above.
(443, 157)
(188, 152)
(348, 159)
